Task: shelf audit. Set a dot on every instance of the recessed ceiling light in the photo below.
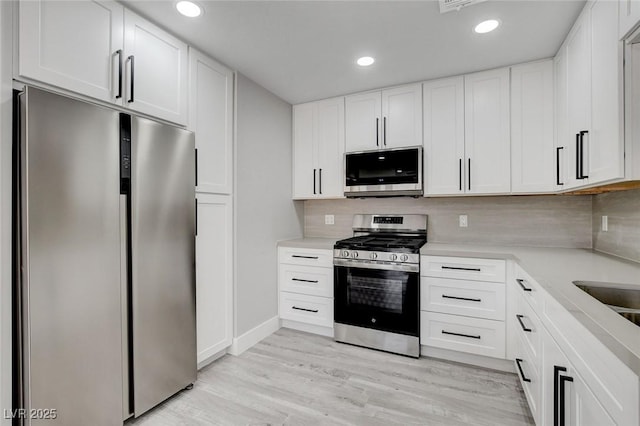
(365, 61)
(487, 26)
(188, 8)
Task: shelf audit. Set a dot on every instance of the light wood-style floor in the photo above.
(296, 378)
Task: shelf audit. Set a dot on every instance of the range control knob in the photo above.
(345, 253)
(404, 258)
(373, 255)
(393, 257)
(354, 254)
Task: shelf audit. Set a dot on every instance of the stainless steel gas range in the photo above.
(377, 283)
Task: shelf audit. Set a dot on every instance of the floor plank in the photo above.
(295, 378)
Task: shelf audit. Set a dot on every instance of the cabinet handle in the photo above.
(303, 309)
(563, 380)
(304, 257)
(522, 376)
(556, 382)
(119, 53)
(384, 131)
(524, 328)
(460, 268)
(582, 133)
(470, 336)
(320, 180)
(196, 217)
(314, 181)
(445, 296)
(558, 165)
(196, 162)
(131, 60)
(578, 156)
(304, 281)
(521, 282)
(469, 174)
(460, 174)
(377, 131)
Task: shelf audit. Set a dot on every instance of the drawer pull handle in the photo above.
(460, 334)
(521, 282)
(304, 257)
(522, 376)
(459, 268)
(469, 299)
(315, 311)
(304, 281)
(524, 328)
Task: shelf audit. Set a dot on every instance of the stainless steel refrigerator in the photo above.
(104, 261)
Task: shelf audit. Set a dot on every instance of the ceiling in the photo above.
(306, 50)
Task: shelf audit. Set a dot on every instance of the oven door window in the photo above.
(383, 300)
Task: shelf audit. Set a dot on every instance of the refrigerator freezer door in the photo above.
(70, 283)
(163, 261)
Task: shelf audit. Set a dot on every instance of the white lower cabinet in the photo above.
(462, 304)
(569, 377)
(305, 287)
(214, 274)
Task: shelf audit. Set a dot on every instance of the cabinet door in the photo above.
(578, 94)
(444, 136)
(402, 116)
(211, 119)
(329, 143)
(532, 155)
(605, 142)
(214, 274)
(562, 136)
(629, 16)
(487, 141)
(72, 45)
(304, 169)
(363, 122)
(156, 67)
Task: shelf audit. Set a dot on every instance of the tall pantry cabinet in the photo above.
(211, 119)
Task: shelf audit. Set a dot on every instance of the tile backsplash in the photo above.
(623, 212)
(542, 221)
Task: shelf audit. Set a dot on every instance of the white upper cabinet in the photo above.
(443, 106)
(402, 116)
(487, 138)
(562, 140)
(156, 70)
(390, 118)
(76, 46)
(363, 122)
(532, 142)
(629, 16)
(318, 149)
(211, 119)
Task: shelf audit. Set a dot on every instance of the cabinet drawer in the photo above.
(463, 268)
(310, 280)
(529, 329)
(464, 334)
(308, 309)
(309, 257)
(530, 290)
(528, 373)
(461, 297)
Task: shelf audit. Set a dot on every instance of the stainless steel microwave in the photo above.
(384, 173)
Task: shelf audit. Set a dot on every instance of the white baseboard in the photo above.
(308, 328)
(253, 336)
(471, 359)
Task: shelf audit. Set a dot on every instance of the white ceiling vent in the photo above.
(455, 5)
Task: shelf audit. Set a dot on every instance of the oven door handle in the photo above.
(385, 266)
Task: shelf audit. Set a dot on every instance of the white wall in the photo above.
(5, 208)
(264, 210)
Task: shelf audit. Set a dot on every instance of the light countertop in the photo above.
(555, 269)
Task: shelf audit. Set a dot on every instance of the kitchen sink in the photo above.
(622, 298)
